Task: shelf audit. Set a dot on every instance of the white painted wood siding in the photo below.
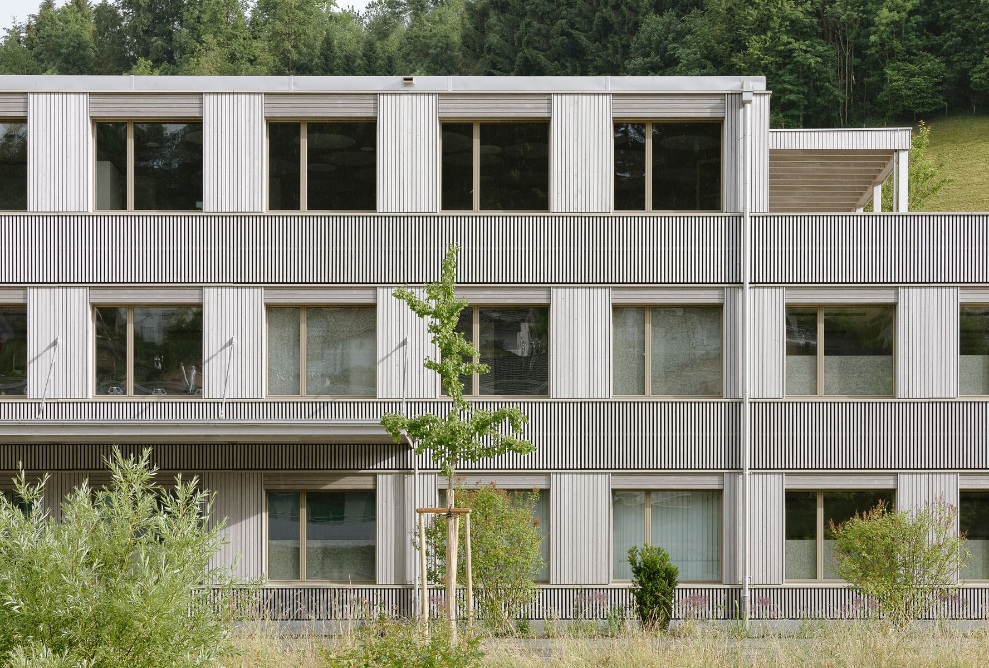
(766, 528)
(233, 334)
(239, 499)
(233, 152)
(760, 152)
(845, 139)
(582, 145)
(392, 529)
(731, 504)
(731, 343)
(580, 541)
(427, 498)
(135, 106)
(580, 343)
(916, 490)
(649, 107)
(13, 105)
(927, 343)
(308, 106)
(59, 152)
(61, 313)
(731, 154)
(408, 162)
(768, 318)
(400, 370)
(473, 106)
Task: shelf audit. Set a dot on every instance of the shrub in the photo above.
(399, 644)
(124, 579)
(654, 583)
(905, 561)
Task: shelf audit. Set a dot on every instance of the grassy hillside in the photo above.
(962, 144)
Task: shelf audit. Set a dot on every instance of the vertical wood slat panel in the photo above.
(732, 154)
(59, 156)
(731, 503)
(580, 528)
(767, 313)
(62, 313)
(427, 497)
(927, 344)
(233, 333)
(60, 485)
(233, 152)
(916, 490)
(581, 168)
(239, 499)
(760, 153)
(392, 528)
(580, 343)
(400, 371)
(766, 527)
(408, 163)
(732, 343)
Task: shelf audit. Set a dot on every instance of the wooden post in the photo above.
(452, 536)
(470, 574)
(424, 602)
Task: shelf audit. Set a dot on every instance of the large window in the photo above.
(322, 351)
(13, 166)
(149, 166)
(673, 166)
(149, 350)
(322, 166)
(667, 351)
(495, 166)
(685, 523)
(323, 536)
(974, 351)
(809, 538)
(540, 517)
(13, 350)
(840, 350)
(973, 522)
(514, 343)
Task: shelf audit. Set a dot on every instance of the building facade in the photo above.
(717, 350)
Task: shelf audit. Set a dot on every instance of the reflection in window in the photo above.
(672, 166)
(13, 350)
(685, 523)
(514, 343)
(840, 350)
(667, 351)
(322, 351)
(973, 364)
(973, 523)
(325, 536)
(13, 166)
(495, 166)
(809, 538)
(149, 166)
(141, 351)
(322, 166)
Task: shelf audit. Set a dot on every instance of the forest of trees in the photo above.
(828, 62)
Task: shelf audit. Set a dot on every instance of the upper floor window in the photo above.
(667, 351)
(673, 166)
(322, 351)
(13, 166)
(322, 166)
(973, 522)
(514, 343)
(149, 166)
(498, 166)
(13, 350)
(973, 363)
(809, 552)
(149, 350)
(840, 350)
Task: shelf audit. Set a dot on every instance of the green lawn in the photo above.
(962, 144)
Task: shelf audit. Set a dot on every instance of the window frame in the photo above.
(962, 491)
(20, 120)
(19, 306)
(475, 339)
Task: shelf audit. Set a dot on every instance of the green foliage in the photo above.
(400, 644)
(925, 179)
(905, 561)
(505, 544)
(654, 583)
(124, 579)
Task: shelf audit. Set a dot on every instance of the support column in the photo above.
(877, 198)
(901, 160)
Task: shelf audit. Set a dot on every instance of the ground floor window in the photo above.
(324, 536)
(973, 522)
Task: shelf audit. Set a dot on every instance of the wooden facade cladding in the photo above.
(305, 106)
(766, 528)
(403, 342)
(59, 152)
(13, 105)
(580, 343)
(474, 106)
(927, 340)
(160, 106)
(408, 153)
(233, 343)
(59, 346)
(582, 146)
(590, 529)
(233, 152)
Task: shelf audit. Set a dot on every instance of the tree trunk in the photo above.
(452, 535)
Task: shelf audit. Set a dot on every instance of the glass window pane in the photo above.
(858, 350)
(284, 526)
(284, 156)
(630, 350)
(973, 522)
(111, 166)
(514, 343)
(341, 172)
(13, 166)
(514, 166)
(973, 364)
(340, 536)
(801, 535)
(340, 351)
(687, 524)
(686, 351)
(801, 351)
(628, 511)
(686, 166)
(168, 351)
(458, 166)
(168, 166)
(13, 350)
(284, 361)
(630, 166)
(840, 507)
(111, 350)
